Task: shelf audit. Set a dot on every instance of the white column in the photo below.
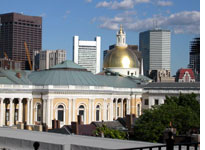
(90, 111)
(20, 113)
(122, 107)
(116, 101)
(69, 111)
(51, 103)
(104, 109)
(2, 110)
(151, 102)
(48, 116)
(11, 111)
(31, 114)
(111, 109)
(28, 111)
(44, 110)
(93, 110)
(128, 106)
(74, 108)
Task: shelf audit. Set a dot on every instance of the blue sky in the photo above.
(62, 19)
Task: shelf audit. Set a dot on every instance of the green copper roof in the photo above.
(67, 64)
(84, 78)
(9, 77)
(62, 77)
(66, 73)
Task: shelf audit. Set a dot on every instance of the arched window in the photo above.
(98, 113)
(38, 112)
(81, 111)
(60, 113)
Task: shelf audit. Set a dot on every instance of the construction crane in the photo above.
(28, 55)
(6, 55)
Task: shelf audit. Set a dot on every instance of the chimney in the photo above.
(18, 75)
(74, 127)
(80, 119)
(54, 124)
(129, 121)
(58, 124)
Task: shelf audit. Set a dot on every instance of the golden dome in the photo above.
(120, 57)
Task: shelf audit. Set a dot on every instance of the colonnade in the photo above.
(13, 111)
(16, 110)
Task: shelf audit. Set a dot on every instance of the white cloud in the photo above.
(88, 1)
(67, 12)
(164, 3)
(103, 4)
(182, 22)
(43, 15)
(123, 4)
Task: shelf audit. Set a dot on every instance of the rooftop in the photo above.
(53, 141)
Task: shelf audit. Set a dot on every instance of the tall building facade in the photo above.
(87, 53)
(50, 58)
(155, 46)
(194, 57)
(15, 29)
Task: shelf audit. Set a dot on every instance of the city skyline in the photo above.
(61, 21)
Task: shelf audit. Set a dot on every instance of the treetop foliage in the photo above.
(183, 112)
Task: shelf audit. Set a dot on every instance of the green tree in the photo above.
(109, 133)
(182, 111)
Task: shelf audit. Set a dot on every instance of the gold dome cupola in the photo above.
(121, 38)
(121, 56)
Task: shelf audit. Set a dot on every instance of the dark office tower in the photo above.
(15, 29)
(194, 57)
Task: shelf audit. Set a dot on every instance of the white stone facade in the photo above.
(22, 105)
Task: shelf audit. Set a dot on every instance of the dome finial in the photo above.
(121, 28)
(121, 38)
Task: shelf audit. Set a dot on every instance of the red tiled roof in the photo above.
(182, 72)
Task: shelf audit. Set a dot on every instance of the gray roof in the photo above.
(110, 124)
(174, 85)
(17, 137)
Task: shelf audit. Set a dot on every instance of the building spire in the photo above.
(121, 37)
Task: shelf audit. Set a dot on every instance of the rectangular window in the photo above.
(146, 102)
(156, 102)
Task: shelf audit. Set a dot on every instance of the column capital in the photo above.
(45, 99)
(11, 99)
(29, 99)
(20, 99)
